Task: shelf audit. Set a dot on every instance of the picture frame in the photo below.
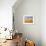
(28, 19)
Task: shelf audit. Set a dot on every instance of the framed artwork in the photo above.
(28, 19)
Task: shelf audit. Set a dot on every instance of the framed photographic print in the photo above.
(28, 19)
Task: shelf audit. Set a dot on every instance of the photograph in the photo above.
(22, 22)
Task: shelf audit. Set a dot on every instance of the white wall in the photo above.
(43, 22)
(29, 7)
(6, 13)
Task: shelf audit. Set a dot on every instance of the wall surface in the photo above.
(6, 13)
(30, 31)
(43, 22)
